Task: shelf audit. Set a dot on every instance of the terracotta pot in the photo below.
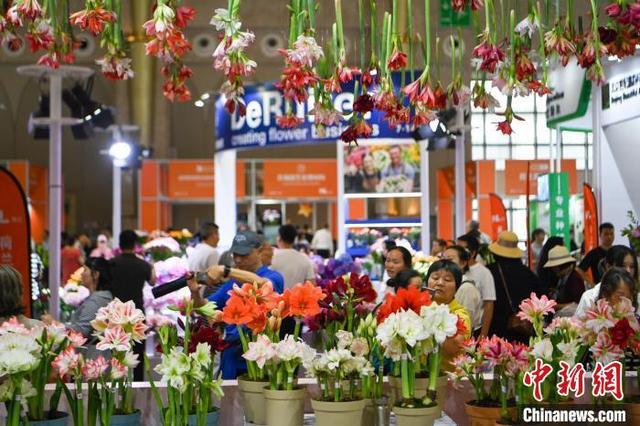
(416, 416)
(420, 389)
(485, 416)
(338, 413)
(59, 419)
(285, 407)
(253, 402)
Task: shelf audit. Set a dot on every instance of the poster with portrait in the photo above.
(382, 168)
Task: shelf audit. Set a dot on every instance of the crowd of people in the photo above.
(485, 292)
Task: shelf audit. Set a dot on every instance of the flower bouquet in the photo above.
(182, 237)
(632, 231)
(72, 296)
(412, 330)
(334, 368)
(118, 326)
(187, 367)
(162, 248)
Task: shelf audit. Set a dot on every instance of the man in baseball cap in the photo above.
(246, 250)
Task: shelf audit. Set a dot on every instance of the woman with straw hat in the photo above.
(514, 283)
(568, 286)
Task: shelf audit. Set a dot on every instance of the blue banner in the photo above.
(264, 103)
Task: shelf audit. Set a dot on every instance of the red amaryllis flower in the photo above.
(176, 90)
(30, 9)
(607, 35)
(232, 104)
(332, 85)
(428, 96)
(362, 288)
(412, 91)
(440, 97)
(423, 117)
(595, 73)
(490, 54)
(363, 104)
(557, 41)
(294, 82)
(177, 44)
(405, 299)
(51, 60)
(613, 10)
(368, 79)
(92, 20)
(356, 130)
(458, 5)
(397, 116)
(623, 44)
(524, 67)
(505, 127)
(539, 87)
(40, 37)
(397, 61)
(184, 14)
(289, 121)
(621, 332)
(346, 74)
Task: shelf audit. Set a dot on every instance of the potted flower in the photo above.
(284, 400)
(118, 326)
(255, 310)
(336, 406)
(505, 361)
(408, 299)
(25, 363)
(187, 368)
(407, 337)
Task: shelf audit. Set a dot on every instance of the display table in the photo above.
(232, 415)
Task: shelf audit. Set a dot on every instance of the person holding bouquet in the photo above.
(445, 277)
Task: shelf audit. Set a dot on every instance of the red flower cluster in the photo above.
(489, 53)
(295, 81)
(406, 299)
(92, 19)
(169, 44)
(461, 5)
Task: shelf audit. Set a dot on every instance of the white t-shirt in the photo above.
(202, 257)
(294, 266)
(469, 297)
(322, 240)
(589, 297)
(481, 276)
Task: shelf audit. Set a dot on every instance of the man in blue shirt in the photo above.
(246, 249)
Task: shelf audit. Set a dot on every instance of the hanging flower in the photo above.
(489, 54)
(115, 67)
(397, 61)
(29, 9)
(289, 121)
(92, 19)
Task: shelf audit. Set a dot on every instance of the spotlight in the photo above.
(39, 131)
(83, 130)
(120, 152)
(100, 115)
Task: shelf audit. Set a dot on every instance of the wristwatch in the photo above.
(227, 271)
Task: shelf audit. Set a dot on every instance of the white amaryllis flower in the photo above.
(359, 346)
(411, 328)
(344, 339)
(240, 42)
(260, 351)
(174, 367)
(528, 25)
(569, 351)
(439, 322)
(337, 357)
(306, 51)
(223, 21)
(388, 330)
(16, 360)
(543, 350)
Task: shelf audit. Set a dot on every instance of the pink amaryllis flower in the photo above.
(114, 339)
(118, 370)
(29, 9)
(605, 351)
(495, 350)
(559, 41)
(599, 316)
(518, 359)
(489, 53)
(93, 369)
(13, 326)
(534, 308)
(76, 338)
(68, 363)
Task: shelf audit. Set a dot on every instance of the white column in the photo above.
(459, 170)
(55, 191)
(225, 196)
(596, 111)
(341, 202)
(425, 198)
(116, 221)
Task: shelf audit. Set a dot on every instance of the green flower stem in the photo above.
(383, 42)
(503, 22)
(487, 17)
(311, 8)
(594, 30)
(453, 59)
(389, 43)
(394, 21)
(296, 331)
(373, 10)
(541, 50)
(293, 23)
(338, 7)
(504, 384)
(427, 34)
(335, 43)
(363, 36)
(407, 392)
(410, 36)
(512, 50)
(251, 367)
(434, 369)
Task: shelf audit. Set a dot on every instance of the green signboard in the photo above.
(559, 219)
(451, 18)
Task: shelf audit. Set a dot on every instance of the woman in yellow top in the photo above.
(445, 277)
